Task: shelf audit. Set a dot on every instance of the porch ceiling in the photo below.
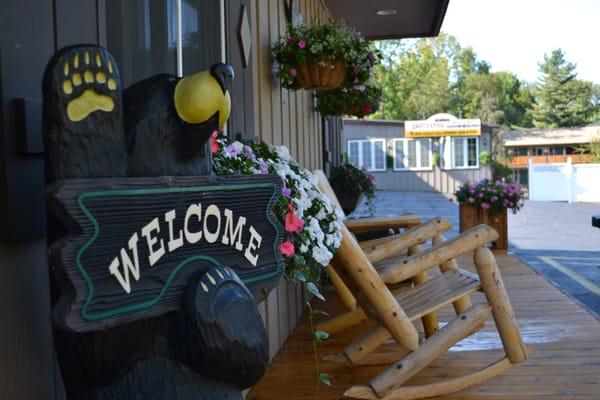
(412, 18)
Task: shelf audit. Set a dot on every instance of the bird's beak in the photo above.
(224, 74)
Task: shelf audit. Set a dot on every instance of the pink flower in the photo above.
(302, 44)
(471, 200)
(485, 206)
(287, 248)
(293, 223)
(293, 72)
(214, 145)
(357, 69)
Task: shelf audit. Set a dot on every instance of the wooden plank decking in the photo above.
(565, 338)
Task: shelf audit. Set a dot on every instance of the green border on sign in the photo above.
(134, 192)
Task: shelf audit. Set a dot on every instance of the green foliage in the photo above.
(426, 76)
(501, 169)
(435, 158)
(389, 160)
(485, 157)
(421, 77)
(593, 147)
(562, 99)
(358, 101)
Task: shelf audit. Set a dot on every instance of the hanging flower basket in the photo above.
(321, 76)
(358, 101)
(350, 183)
(323, 57)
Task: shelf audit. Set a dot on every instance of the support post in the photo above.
(495, 292)
(430, 321)
(462, 304)
(345, 295)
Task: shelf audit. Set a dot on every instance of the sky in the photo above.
(514, 35)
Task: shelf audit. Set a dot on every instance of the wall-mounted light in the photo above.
(387, 12)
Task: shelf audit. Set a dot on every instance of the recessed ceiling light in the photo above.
(387, 12)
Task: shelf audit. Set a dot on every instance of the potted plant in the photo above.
(322, 57)
(349, 183)
(358, 101)
(487, 202)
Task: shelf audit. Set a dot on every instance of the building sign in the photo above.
(135, 242)
(442, 125)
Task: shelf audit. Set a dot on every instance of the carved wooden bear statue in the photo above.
(216, 344)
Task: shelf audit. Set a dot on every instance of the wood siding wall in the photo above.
(283, 117)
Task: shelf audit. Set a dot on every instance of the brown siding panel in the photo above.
(283, 117)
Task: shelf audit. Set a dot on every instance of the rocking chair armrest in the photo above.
(393, 272)
(382, 248)
(369, 224)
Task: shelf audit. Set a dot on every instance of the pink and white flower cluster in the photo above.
(311, 222)
(492, 195)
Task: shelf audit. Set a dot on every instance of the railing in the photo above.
(521, 161)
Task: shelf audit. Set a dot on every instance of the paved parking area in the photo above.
(555, 239)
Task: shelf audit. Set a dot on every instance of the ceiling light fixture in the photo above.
(387, 12)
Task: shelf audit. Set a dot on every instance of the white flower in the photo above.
(283, 153)
(322, 255)
(321, 214)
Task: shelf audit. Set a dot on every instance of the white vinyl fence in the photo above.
(564, 182)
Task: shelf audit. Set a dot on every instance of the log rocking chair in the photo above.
(395, 312)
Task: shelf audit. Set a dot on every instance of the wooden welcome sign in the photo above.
(135, 242)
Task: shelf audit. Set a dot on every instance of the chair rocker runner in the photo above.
(395, 313)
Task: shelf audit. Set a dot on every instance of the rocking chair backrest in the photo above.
(354, 267)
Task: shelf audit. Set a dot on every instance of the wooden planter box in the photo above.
(471, 216)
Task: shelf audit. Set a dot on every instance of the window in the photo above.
(149, 37)
(368, 153)
(414, 154)
(465, 152)
(557, 151)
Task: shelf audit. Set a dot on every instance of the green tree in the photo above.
(426, 76)
(497, 98)
(415, 79)
(560, 98)
(593, 147)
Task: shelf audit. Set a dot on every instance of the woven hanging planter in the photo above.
(330, 75)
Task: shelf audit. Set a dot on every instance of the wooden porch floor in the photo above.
(565, 338)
